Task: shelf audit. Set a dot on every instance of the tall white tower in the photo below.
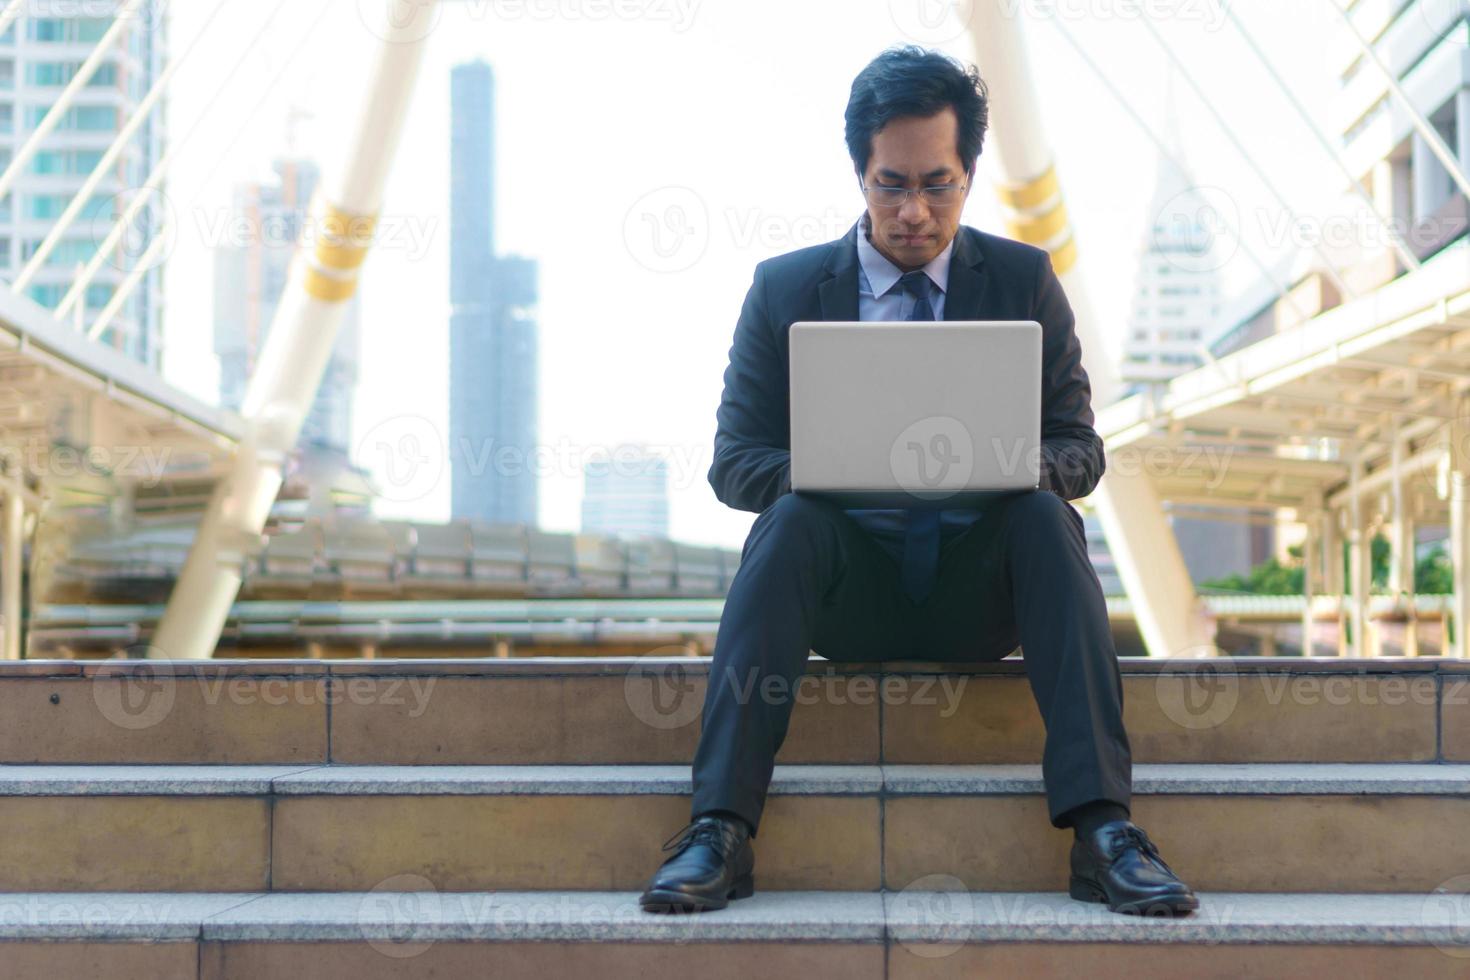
(1176, 296)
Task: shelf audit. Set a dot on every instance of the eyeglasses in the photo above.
(938, 196)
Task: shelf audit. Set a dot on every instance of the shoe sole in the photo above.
(665, 900)
(1165, 905)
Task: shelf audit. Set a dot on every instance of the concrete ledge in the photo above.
(1223, 917)
(141, 780)
(910, 917)
(1275, 779)
(589, 780)
(1262, 779)
(112, 916)
(566, 666)
(564, 916)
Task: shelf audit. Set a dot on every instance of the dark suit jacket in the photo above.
(990, 278)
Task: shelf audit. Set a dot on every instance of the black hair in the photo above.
(914, 81)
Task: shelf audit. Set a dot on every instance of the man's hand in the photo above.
(1072, 458)
(752, 464)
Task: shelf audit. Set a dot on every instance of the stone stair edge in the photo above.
(887, 779)
(612, 666)
(910, 915)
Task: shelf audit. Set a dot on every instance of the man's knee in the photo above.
(1042, 507)
(794, 513)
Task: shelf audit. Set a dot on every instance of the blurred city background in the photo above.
(1264, 241)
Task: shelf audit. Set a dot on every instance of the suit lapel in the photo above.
(964, 297)
(839, 291)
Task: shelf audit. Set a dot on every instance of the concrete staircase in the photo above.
(498, 817)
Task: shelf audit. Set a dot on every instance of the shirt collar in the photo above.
(883, 275)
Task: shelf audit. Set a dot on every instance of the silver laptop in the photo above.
(921, 413)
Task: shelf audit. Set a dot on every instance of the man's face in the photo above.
(915, 152)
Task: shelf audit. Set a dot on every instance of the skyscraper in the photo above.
(39, 54)
(1176, 311)
(1176, 297)
(492, 329)
(626, 492)
(249, 277)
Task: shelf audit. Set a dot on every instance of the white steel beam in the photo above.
(299, 343)
(13, 543)
(1459, 443)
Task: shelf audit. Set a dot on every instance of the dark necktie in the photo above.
(921, 529)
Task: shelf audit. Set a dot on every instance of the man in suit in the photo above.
(874, 584)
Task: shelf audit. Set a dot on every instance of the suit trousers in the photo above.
(812, 580)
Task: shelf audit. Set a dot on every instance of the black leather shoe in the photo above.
(714, 862)
(1119, 866)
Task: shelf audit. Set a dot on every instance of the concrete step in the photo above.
(921, 932)
(1357, 827)
(646, 710)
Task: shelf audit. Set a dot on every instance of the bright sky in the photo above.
(731, 110)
